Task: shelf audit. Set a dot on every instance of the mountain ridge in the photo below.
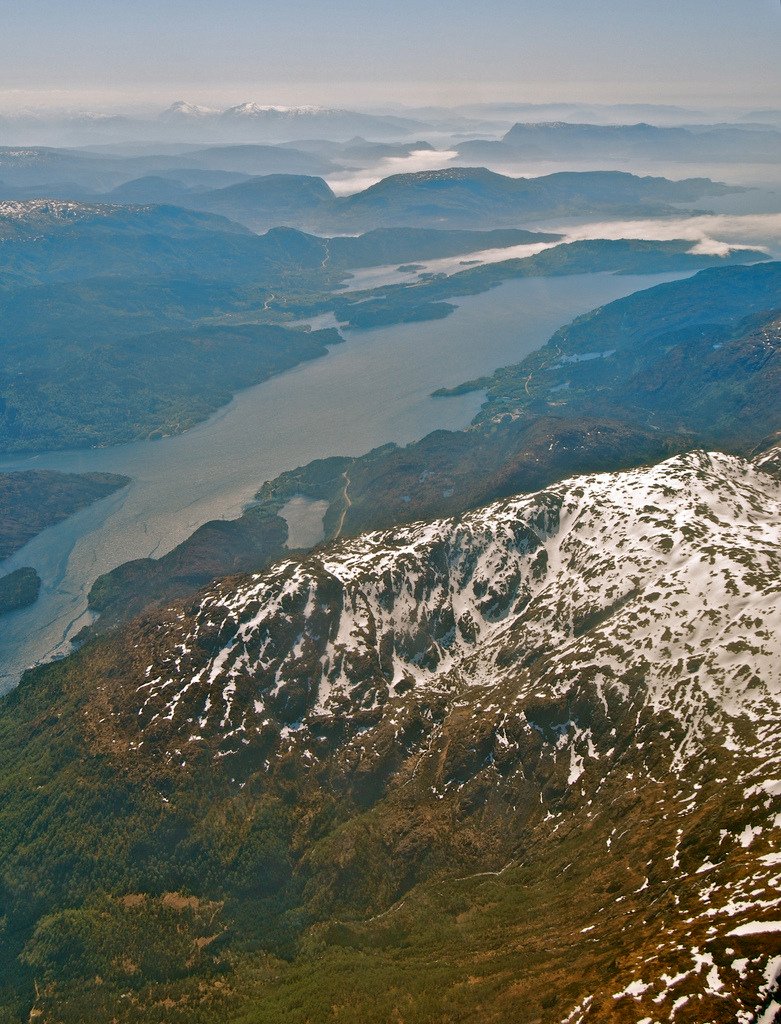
(559, 821)
(568, 141)
(475, 197)
(386, 638)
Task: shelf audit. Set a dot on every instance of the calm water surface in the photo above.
(372, 389)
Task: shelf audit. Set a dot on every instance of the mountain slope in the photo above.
(535, 575)
(702, 355)
(453, 197)
(520, 765)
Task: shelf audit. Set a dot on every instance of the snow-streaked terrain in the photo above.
(669, 575)
(602, 655)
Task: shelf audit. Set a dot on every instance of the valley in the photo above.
(124, 323)
(371, 389)
(566, 408)
(455, 807)
(390, 516)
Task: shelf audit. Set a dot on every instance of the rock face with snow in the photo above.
(550, 725)
(667, 575)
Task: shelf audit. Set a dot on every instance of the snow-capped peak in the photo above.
(184, 109)
(251, 109)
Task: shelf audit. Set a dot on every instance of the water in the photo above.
(372, 389)
(304, 517)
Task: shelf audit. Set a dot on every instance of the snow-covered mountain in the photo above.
(643, 573)
(183, 109)
(34, 217)
(262, 110)
(602, 657)
(49, 209)
(252, 121)
(551, 724)
(183, 121)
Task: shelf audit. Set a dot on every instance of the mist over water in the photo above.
(714, 235)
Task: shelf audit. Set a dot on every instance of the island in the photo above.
(18, 589)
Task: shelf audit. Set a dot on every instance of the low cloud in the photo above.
(347, 182)
(712, 234)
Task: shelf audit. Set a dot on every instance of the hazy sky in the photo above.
(359, 52)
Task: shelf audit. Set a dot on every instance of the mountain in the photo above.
(563, 140)
(187, 122)
(28, 166)
(51, 240)
(46, 241)
(362, 151)
(600, 113)
(264, 186)
(256, 159)
(517, 762)
(428, 605)
(359, 150)
(261, 111)
(153, 189)
(182, 109)
(451, 198)
(252, 120)
(270, 200)
(118, 321)
(702, 355)
(471, 196)
(67, 173)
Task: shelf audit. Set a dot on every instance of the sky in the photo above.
(106, 54)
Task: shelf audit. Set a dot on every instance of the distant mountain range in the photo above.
(40, 171)
(664, 114)
(233, 181)
(562, 140)
(448, 198)
(244, 122)
(32, 172)
(310, 116)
